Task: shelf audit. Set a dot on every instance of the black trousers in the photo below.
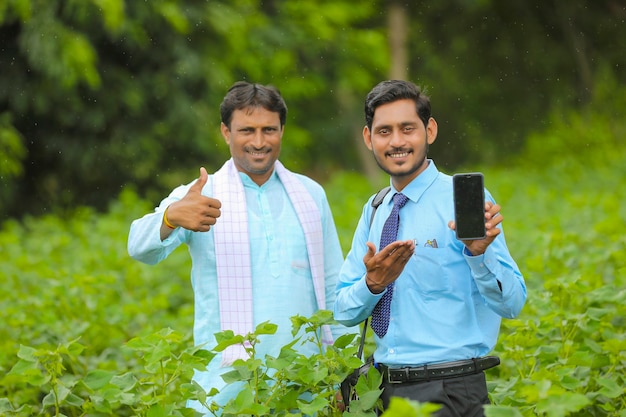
(462, 396)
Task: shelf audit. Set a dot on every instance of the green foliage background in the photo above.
(99, 94)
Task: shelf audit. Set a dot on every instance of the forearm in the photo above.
(354, 303)
(145, 241)
(500, 283)
(354, 300)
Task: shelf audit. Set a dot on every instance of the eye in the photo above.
(409, 129)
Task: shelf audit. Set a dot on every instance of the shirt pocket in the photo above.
(431, 270)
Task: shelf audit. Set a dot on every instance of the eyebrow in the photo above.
(247, 127)
(401, 124)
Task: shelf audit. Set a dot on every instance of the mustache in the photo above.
(399, 150)
(265, 149)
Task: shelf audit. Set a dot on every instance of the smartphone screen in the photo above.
(469, 205)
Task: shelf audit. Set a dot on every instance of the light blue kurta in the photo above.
(282, 284)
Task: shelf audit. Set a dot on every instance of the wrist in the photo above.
(373, 287)
(166, 220)
(468, 252)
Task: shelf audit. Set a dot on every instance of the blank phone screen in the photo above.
(469, 205)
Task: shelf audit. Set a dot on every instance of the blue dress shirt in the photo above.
(447, 305)
(282, 284)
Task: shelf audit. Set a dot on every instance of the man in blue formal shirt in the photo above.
(447, 296)
(262, 239)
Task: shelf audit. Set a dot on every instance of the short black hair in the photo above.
(243, 94)
(393, 90)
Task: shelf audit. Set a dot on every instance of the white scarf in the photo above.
(232, 250)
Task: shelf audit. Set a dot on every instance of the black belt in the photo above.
(438, 371)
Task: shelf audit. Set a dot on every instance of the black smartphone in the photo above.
(469, 205)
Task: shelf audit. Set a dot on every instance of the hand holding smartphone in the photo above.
(469, 205)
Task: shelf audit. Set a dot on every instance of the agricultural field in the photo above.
(87, 331)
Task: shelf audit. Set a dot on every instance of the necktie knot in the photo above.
(390, 229)
(400, 200)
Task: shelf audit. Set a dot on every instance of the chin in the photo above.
(404, 171)
(259, 168)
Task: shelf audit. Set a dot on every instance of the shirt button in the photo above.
(392, 351)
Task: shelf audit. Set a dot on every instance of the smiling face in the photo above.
(254, 138)
(399, 140)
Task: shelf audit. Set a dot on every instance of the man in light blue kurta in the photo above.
(282, 282)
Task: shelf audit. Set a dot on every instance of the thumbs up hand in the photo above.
(195, 211)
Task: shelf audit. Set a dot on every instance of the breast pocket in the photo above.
(431, 270)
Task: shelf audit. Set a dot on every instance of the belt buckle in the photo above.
(394, 381)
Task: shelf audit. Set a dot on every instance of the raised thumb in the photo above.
(200, 182)
(371, 251)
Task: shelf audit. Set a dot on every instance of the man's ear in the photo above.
(367, 137)
(225, 133)
(431, 131)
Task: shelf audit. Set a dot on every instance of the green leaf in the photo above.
(73, 400)
(610, 388)
(563, 404)
(402, 407)
(5, 405)
(125, 382)
(315, 406)
(344, 340)
(227, 338)
(49, 400)
(97, 379)
(28, 353)
(265, 328)
(501, 411)
(244, 404)
(160, 351)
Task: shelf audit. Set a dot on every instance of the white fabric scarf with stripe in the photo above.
(232, 250)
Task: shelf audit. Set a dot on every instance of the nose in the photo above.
(258, 140)
(397, 139)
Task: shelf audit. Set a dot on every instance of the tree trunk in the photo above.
(575, 38)
(398, 70)
(397, 29)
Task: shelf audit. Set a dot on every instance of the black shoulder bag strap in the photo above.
(348, 384)
(377, 201)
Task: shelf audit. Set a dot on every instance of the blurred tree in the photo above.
(107, 92)
(12, 151)
(496, 69)
(97, 94)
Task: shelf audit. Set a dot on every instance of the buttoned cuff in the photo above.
(363, 293)
(479, 264)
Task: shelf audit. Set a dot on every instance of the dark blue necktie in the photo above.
(380, 315)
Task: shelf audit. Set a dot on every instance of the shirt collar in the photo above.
(248, 183)
(420, 184)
